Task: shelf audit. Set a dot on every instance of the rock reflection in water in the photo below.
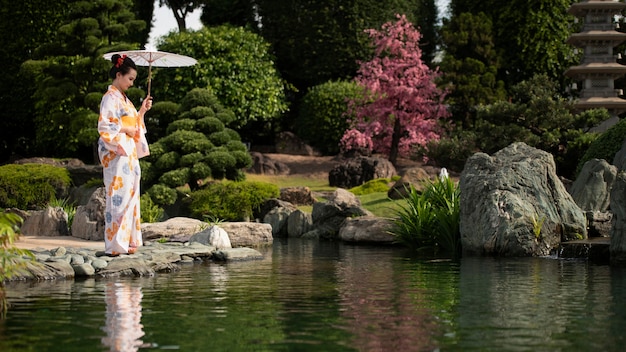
(123, 317)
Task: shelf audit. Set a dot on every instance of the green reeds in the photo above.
(431, 219)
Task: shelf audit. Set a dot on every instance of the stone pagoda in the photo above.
(599, 68)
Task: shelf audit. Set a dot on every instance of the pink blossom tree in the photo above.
(405, 104)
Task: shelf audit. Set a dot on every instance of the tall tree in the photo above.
(71, 75)
(181, 9)
(240, 13)
(24, 25)
(407, 105)
(320, 40)
(469, 66)
(529, 34)
(236, 65)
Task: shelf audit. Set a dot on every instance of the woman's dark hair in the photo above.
(122, 64)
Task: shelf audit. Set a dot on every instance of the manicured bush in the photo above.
(181, 125)
(32, 186)
(322, 118)
(198, 113)
(219, 138)
(167, 161)
(243, 160)
(220, 161)
(162, 195)
(231, 201)
(198, 97)
(208, 125)
(189, 160)
(175, 178)
(197, 147)
(201, 145)
(159, 117)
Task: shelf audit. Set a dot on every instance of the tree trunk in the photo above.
(395, 140)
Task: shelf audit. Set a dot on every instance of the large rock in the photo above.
(329, 216)
(88, 220)
(367, 229)
(504, 195)
(618, 231)
(248, 234)
(178, 228)
(297, 195)
(289, 143)
(264, 165)
(357, 171)
(592, 188)
(52, 221)
(213, 236)
(415, 177)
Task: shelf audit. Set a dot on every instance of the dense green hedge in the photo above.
(231, 201)
(32, 186)
(322, 119)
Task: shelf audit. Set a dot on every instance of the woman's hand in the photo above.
(146, 105)
(129, 131)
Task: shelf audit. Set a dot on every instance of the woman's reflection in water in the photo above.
(123, 317)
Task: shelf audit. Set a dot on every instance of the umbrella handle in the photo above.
(149, 77)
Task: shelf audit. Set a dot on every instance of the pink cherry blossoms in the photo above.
(405, 103)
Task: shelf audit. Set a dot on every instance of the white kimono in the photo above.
(119, 155)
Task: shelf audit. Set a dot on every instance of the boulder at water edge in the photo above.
(505, 197)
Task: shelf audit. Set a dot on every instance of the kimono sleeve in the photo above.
(110, 124)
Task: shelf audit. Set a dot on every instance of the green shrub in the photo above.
(198, 97)
(175, 178)
(219, 138)
(219, 162)
(372, 186)
(181, 125)
(196, 145)
(175, 140)
(167, 161)
(606, 145)
(231, 201)
(200, 171)
(189, 160)
(226, 116)
(233, 134)
(431, 219)
(157, 149)
(236, 145)
(322, 120)
(11, 257)
(450, 152)
(159, 117)
(32, 186)
(210, 125)
(148, 172)
(162, 195)
(198, 113)
(243, 160)
(150, 212)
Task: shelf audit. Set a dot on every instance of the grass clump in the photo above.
(431, 219)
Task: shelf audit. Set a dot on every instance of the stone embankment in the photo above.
(152, 258)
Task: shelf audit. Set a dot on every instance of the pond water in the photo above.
(325, 296)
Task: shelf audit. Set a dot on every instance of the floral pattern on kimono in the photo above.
(119, 155)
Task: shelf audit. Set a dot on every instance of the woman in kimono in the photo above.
(122, 142)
